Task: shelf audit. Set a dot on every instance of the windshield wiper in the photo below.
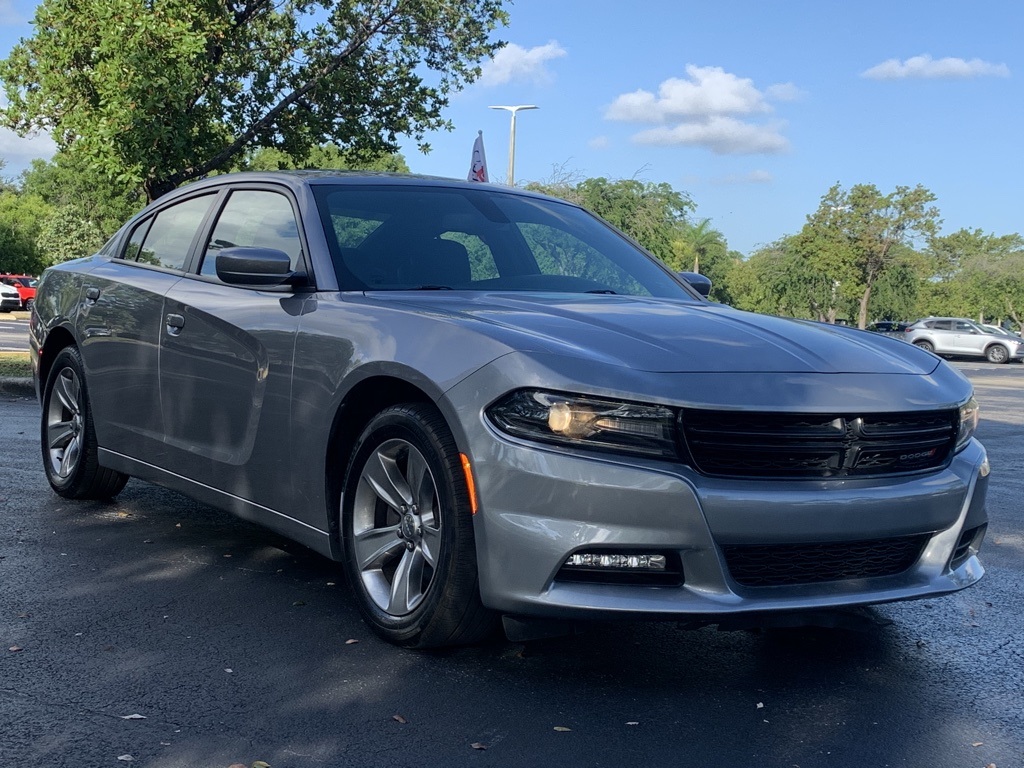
(603, 290)
(432, 288)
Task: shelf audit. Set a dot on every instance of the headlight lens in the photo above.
(587, 422)
(968, 422)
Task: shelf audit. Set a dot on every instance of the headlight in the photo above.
(587, 422)
(968, 422)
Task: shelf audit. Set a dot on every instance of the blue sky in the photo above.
(754, 109)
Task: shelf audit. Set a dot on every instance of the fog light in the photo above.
(606, 561)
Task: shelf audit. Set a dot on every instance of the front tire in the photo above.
(407, 530)
(997, 353)
(70, 450)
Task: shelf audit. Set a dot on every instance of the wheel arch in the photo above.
(56, 340)
(361, 403)
(998, 344)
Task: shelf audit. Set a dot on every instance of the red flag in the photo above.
(478, 166)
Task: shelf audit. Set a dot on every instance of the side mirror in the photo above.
(698, 281)
(245, 265)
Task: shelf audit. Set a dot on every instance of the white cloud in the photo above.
(513, 62)
(784, 92)
(599, 142)
(708, 91)
(18, 151)
(926, 67)
(710, 108)
(722, 135)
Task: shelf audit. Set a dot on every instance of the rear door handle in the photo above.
(174, 324)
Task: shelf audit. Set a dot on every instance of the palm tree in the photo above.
(702, 239)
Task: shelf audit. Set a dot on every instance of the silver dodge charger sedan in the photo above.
(488, 403)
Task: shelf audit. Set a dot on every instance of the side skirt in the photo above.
(314, 538)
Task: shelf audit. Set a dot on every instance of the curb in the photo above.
(17, 387)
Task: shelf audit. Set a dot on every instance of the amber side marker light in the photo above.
(467, 470)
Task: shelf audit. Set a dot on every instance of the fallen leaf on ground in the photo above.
(136, 716)
(237, 765)
(562, 728)
(260, 764)
(299, 602)
(399, 719)
(760, 705)
(352, 641)
(125, 758)
(977, 743)
(15, 648)
(633, 722)
(478, 745)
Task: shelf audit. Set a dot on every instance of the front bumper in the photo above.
(540, 507)
(539, 504)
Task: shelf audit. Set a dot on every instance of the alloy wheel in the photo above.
(396, 527)
(65, 424)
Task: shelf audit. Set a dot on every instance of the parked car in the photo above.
(998, 330)
(962, 337)
(9, 298)
(889, 327)
(25, 285)
(485, 402)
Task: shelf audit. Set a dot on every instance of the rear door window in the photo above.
(165, 240)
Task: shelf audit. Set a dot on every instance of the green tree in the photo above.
(329, 156)
(652, 214)
(978, 275)
(700, 241)
(66, 234)
(860, 232)
(21, 218)
(68, 181)
(157, 94)
(790, 277)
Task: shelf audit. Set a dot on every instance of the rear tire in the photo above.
(70, 450)
(927, 346)
(407, 532)
(997, 353)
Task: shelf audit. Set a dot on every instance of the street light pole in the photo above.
(512, 139)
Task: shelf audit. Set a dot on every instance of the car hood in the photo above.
(664, 335)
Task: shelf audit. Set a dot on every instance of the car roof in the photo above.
(328, 177)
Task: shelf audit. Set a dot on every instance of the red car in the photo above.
(26, 286)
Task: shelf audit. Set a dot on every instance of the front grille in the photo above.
(785, 446)
(791, 564)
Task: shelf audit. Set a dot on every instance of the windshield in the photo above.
(437, 238)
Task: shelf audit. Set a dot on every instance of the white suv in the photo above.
(9, 298)
(958, 336)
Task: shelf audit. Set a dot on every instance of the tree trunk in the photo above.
(862, 315)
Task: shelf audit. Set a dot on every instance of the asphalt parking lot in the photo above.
(155, 631)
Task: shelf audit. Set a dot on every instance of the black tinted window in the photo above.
(254, 218)
(166, 241)
(402, 237)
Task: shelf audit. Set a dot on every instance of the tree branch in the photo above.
(271, 116)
